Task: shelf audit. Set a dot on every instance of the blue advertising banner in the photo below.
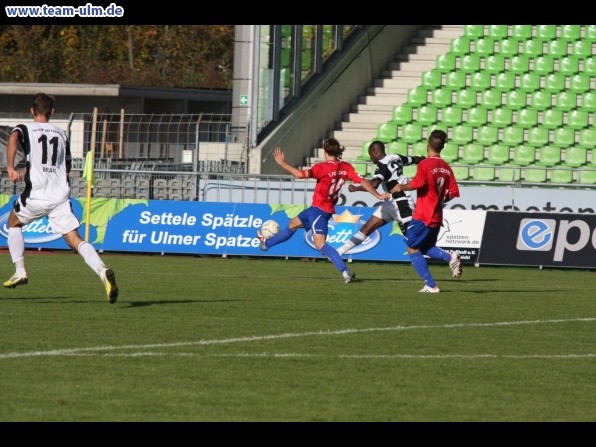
(39, 234)
(211, 228)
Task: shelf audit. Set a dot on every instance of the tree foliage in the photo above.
(186, 56)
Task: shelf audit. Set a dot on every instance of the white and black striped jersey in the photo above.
(47, 156)
(390, 171)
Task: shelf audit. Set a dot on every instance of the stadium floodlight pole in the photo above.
(89, 175)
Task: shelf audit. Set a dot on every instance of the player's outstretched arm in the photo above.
(369, 188)
(280, 160)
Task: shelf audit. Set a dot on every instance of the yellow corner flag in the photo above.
(90, 179)
(88, 169)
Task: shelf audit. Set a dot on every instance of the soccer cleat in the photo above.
(455, 265)
(262, 240)
(109, 281)
(427, 289)
(16, 280)
(348, 276)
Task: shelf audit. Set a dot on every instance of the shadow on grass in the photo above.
(151, 303)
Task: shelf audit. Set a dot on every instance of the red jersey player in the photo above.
(435, 185)
(331, 176)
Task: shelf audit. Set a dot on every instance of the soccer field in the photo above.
(241, 339)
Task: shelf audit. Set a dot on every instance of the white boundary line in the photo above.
(99, 349)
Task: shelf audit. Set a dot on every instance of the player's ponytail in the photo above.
(333, 148)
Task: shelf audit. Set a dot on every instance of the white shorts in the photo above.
(60, 217)
(389, 211)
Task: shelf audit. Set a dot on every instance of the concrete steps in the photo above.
(376, 105)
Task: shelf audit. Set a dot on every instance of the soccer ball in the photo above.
(269, 228)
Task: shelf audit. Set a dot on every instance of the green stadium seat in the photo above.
(411, 133)
(512, 136)
(364, 150)
(561, 175)
(544, 64)
(552, 118)
(419, 149)
(538, 137)
(529, 82)
(410, 171)
(397, 147)
(509, 47)
(466, 98)
(519, 64)
(508, 173)
(481, 79)
(490, 99)
(590, 66)
(431, 79)
(474, 31)
(582, 48)
(546, 32)
(575, 156)
(451, 116)
(533, 47)
(549, 156)
(521, 32)
(523, 155)
(441, 97)
(360, 167)
(557, 47)
(401, 115)
(564, 137)
(427, 115)
(498, 154)
(483, 173)
(494, 63)
(445, 62)
(566, 100)
(535, 174)
(579, 83)
(470, 63)
(438, 126)
(477, 116)
(554, 82)
(387, 132)
(590, 33)
(588, 101)
(462, 134)
(515, 100)
(540, 100)
(487, 135)
(577, 119)
(461, 172)
(527, 118)
(472, 154)
(455, 80)
(417, 96)
(497, 31)
(484, 46)
(502, 117)
(505, 81)
(569, 65)
(460, 45)
(570, 32)
(587, 176)
(587, 138)
(450, 152)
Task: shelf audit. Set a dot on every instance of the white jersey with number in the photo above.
(47, 150)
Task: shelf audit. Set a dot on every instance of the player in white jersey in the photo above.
(389, 172)
(47, 192)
